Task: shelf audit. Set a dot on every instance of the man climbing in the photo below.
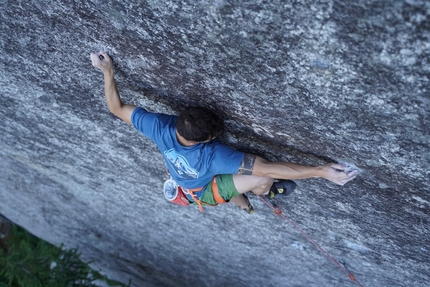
(200, 163)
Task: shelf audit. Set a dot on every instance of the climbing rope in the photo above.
(277, 211)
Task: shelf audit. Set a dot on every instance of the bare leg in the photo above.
(257, 184)
(240, 200)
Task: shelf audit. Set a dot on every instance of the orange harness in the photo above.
(215, 193)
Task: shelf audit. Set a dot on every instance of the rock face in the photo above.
(304, 81)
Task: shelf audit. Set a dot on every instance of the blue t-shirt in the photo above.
(191, 167)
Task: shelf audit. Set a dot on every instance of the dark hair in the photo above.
(199, 124)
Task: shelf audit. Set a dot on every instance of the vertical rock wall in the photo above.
(304, 81)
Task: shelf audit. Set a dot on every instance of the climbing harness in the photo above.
(192, 193)
(215, 193)
(177, 194)
(278, 211)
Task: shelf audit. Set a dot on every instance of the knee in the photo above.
(265, 181)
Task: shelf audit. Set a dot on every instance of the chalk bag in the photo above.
(173, 193)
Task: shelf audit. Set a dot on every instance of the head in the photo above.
(199, 124)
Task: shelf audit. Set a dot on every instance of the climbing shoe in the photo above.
(250, 208)
(283, 187)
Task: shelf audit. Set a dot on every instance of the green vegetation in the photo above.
(27, 261)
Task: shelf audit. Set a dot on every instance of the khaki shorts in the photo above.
(226, 189)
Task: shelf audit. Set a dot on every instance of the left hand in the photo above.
(339, 173)
(104, 63)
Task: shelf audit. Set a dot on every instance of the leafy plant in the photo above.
(30, 261)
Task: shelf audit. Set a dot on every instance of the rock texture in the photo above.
(304, 81)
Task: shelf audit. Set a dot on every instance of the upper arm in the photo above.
(124, 112)
(252, 165)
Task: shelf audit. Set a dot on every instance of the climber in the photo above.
(196, 158)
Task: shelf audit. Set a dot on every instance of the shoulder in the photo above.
(223, 159)
(141, 114)
(221, 150)
(144, 121)
(218, 144)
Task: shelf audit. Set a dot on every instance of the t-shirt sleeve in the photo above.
(226, 160)
(144, 121)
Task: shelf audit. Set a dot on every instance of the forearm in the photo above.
(113, 99)
(123, 111)
(287, 170)
(336, 173)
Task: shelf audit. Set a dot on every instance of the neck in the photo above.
(183, 141)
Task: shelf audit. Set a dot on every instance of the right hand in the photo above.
(104, 64)
(339, 173)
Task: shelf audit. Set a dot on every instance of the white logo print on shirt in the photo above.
(180, 165)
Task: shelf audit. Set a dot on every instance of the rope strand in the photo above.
(349, 274)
